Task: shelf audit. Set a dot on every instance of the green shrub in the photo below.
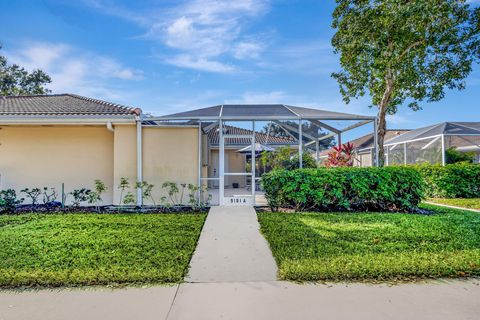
(347, 188)
(459, 180)
(286, 158)
(9, 201)
(452, 155)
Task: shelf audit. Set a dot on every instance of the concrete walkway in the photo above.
(231, 248)
(91, 303)
(436, 300)
(459, 300)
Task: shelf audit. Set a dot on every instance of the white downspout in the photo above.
(138, 120)
(110, 127)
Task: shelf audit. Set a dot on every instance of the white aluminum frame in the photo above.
(363, 120)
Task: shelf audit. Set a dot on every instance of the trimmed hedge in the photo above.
(344, 189)
(458, 180)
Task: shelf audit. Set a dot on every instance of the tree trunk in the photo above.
(382, 129)
(382, 113)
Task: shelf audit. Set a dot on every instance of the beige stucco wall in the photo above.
(38, 156)
(169, 154)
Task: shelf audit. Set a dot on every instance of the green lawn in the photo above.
(93, 249)
(464, 203)
(374, 246)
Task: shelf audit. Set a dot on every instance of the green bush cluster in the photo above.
(459, 180)
(344, 189)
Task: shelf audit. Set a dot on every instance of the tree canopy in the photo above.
(401, 51)
(16, 81)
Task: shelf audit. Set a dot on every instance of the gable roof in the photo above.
(62, 105)
(214, 137)
(448, 128)
(261, 111)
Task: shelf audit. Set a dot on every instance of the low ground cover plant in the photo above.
(344, 189)
(50, 250)
(374, 246)
(459, 180)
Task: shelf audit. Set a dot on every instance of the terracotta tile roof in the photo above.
(213, 137)
(61, 105)
(366, 141)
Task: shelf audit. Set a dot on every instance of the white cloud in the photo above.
(203, 64)
(73, 70)
(247, 50)
(203, 34)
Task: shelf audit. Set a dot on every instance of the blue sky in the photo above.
(168, 56)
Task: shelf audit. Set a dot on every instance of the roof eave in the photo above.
(31, 119)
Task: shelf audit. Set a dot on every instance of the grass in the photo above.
(96, 249)
(464, 203)
(374, 246)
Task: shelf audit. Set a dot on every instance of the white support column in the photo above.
(443, 151)
(375, 141)
(317, 150)
(199, 162)
(139, 161)
(221, 170)
(387, 156)
(300, 143)
(339, 139)
(253, 161)
(405, 153)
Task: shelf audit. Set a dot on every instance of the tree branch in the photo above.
(413, 45)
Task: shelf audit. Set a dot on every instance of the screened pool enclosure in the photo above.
(432, 144)
(231, 138)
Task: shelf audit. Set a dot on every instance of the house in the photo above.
(432, 144)
(65, 138)
(66, 141)
(364, 147)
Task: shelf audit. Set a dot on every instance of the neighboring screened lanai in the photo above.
(304, 129)
(434, 143)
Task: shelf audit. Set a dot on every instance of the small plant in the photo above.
(194, 197)
(49, 197)
(95, 197)
(172, 192)
(129, 198)
(79, 196)
(124, 185)
(341, 156)
(147, 189)
(32, 194)
(9, 201)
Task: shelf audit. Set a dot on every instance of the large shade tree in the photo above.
(15, 80)
(403, 52)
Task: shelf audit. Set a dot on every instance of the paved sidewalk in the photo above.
(435, 300)
(92, 303)
(231, 248)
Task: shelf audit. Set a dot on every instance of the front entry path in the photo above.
(231, 248)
